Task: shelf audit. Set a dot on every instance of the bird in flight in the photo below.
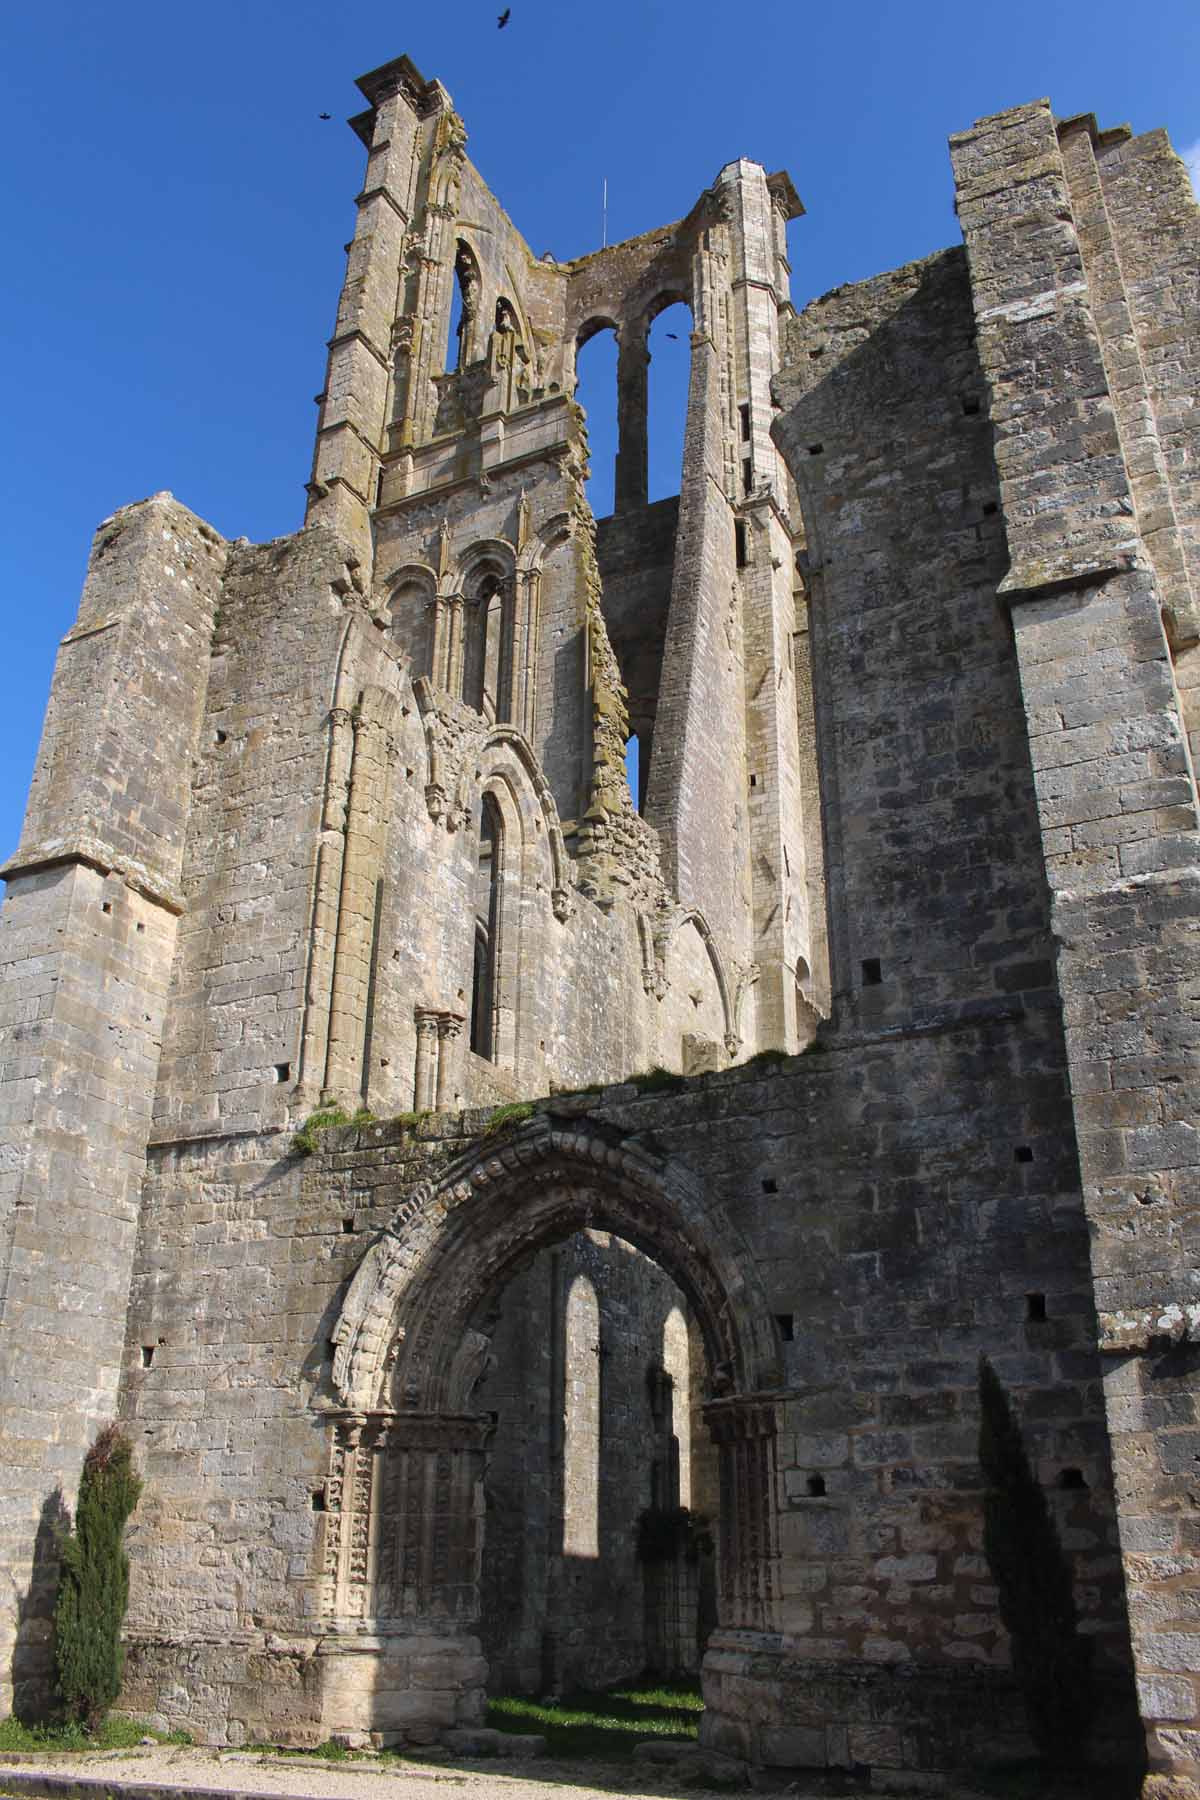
(324, 115)
(674, 335)
(505, 16)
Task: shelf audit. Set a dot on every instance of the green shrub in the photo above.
(1051, 1661)
(655, 1080)
(94, 1581)
(307, 1139)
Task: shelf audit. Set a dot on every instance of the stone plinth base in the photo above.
(399, 1689)
(771, 1707)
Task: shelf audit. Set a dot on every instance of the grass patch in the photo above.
(508, 1117)
(113, 1734)
(307, 1139)
(409, 1121)
(603, 1726)
(329, 1751)
(656, 1080)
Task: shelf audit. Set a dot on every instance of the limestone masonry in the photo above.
(861, 1043)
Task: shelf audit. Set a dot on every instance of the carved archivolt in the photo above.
(426, 1283)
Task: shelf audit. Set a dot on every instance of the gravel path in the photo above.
(159, 1772)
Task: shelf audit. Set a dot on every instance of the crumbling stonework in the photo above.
(699, 1141)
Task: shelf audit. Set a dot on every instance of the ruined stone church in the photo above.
(676, 1153)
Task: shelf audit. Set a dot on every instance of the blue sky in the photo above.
(177, 209)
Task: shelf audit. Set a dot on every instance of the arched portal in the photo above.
(404, 1522)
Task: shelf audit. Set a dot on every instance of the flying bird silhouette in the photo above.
(324, 115)
(505, 16)
(673, 334)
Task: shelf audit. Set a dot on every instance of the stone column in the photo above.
(449, 1025)
(426, 1073)
(455, 644)
(367, 812)
(525, 650)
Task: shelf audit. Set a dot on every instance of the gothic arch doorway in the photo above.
(410, 1437)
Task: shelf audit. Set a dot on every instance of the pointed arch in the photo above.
(422, 1291)
(411, 600)
(696, 919)
(507, 740)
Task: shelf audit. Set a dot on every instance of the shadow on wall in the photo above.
(33, 1651)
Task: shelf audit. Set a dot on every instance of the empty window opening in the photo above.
(106, 906)
(461, 347)
(486, 673)
(970, 406)
(581, 1424)
(633, 770)
(744, 422)
(1023, 1153)
(816, 449)
(1035, 1308)
(347, 1226)
(140, 926)
(1071, 1478)
(816, 1486)
(596, 393)
(219, 736)
(754, 781)
(739, 542)
(787, 1326)
(676, 1362)
(487, 920)
(147, 1356)
(872, 971)
(283, 1071)
(770, 1185)
(379, 487)
(747, 476)
(670, 345)
(989, 508)
(318, 1499)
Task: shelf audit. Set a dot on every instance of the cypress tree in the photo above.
(1051, 1661)
(94, 1581)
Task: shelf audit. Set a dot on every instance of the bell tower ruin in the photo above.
(443, 1158)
